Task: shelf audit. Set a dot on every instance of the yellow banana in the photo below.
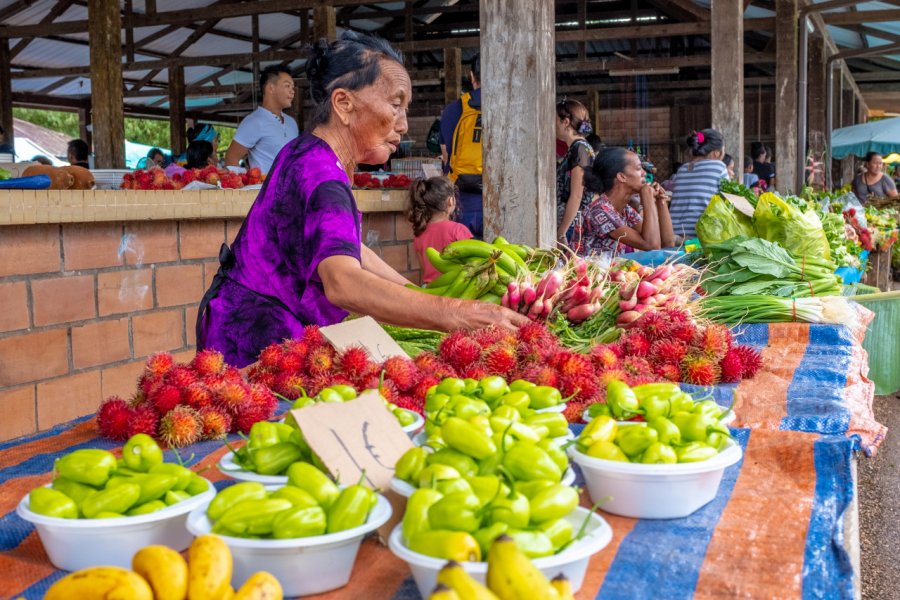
(563, 587)
(164, 569)
(455, 577)
(101, 583)
(260, 586)
(229, 594)
(511, 576)
(442, 592)
(209, 574)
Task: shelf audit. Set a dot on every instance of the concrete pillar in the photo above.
(518, 71)
(785, 94)
(728, 74)
(105, 26)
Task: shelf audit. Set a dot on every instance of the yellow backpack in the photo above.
(466, 158)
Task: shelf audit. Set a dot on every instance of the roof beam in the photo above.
(59, 8)
(866, 16)
(15, 7)
(190, 41)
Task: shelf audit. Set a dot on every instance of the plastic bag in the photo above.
(845, 201)
(721, 221)
(800, 232)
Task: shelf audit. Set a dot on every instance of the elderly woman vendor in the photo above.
(298, 258)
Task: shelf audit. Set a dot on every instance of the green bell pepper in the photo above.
(197, 485)
(695, 452)
(486, 487)
(543, 396)
(347, 392)
(351, 509)
(556, 423)
(175, 496)
(458, 511)
(471, 386)
(506, 412)
(717, 440)
(668, 432)
(450, 486)
(432, 474)
(467, 438)
(410, 465)
(560, 532)
(275, 459)
(404, 417)
(183, 475)
(606, 451)
(465, 408)
(52, 503)
(435, 403)
(602, 429)
(512, 509)
(527, 462)
(518, 400)
(654, 407)
(708, 408)
(451, 386)
(118, 500)
(299, 521)
(74, 490)
(492, 388)
(553, 503)
(597, 409)
(141, 452)
(489, 465)
(284, 431)
(634, 439)
(415, 519)
(662, 390)
(254, 517)
(621, 399)
(230, 496)
(694, 427)
(520, 385)
(297, 497)
(486, 535)
(532, 543)
(464, 465)
(153, 486)
(659, 454)
(146, 508)
(329, 395)
(88, 465)
(315, 482)
(447, 545)
(531, 488)
(555, 451)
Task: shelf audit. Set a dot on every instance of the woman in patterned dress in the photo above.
(613, 227)
(298, 258)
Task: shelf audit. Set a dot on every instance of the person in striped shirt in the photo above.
(696, 182)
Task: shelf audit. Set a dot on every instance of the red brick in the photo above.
(201, 239)
(151, 242)
(413, 258)
(232, 226)
(125, 291)
(100, 343)
(403, 227)
(67, 398)
(33, 356)
(29, 249)
(157, 331)
(209, 271)
(180, 284)
(396, 256)
(14, 300)
(92, 245)
(18, 412)
(190, 324)
(63, 299)
(377, 228)
(185, 356)
(121, 380)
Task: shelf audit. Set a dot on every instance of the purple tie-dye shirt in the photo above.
(304, 213)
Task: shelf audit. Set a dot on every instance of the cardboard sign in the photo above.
(365, 332)
(355, 436)
(739, 202)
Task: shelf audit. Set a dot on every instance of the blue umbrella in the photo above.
(876, 136)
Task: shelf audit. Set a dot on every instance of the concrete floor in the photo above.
(879, 508)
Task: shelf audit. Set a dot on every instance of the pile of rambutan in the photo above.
(183, 403)
(678, 349)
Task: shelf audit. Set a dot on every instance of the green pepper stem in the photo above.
(582, 531)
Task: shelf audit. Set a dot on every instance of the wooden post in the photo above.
(6, 107)
(848, 166)
(452, 74)
(324, 23)
(728, 74)
(786, 94)
(177, 125)
(594, 109)
(815, 137)
(105, 27)
(518, 71)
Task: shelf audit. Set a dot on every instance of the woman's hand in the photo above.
(474, 314)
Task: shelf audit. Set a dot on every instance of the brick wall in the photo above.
(619, 126)
(83, 305)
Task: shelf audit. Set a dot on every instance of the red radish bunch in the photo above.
(574, 290)
(647, 289)
(180, 404)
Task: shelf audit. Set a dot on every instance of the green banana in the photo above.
(447, 278)
(434, 257)
(513, 253)
(463, 249)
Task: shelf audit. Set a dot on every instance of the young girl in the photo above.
(432, 203)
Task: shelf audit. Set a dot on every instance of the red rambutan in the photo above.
(198, 396)
(499, 359)
(751, 360)
(635, 343)
(459, 350)
(475, 371)
(143, 420)
(427, 361)
(611, 375)
(683, 332)
(260, 395)
(699, 370)
(714, 340)
(637, 366)
(540, 375)
(262, 376)
(574, 411)
(580, 387)
(535, 333)
(491, 335)
(355, 363)
(401, 372)
(232, 396)
(290, 363)
(230, 374)
(420, 390)
(570, 364)
(112, 418)
(669, 371)
(244, 420)
(604, 357)
(289, 385)
(180, 426)
(320, 360)
(388, 391)
(313, 336)
(409, 403)
(181, 377)
(270, 356)
(652, 324)
(165, 397)
(731, 367)
(209, 362)
(158, 364)
(301, 348)
(668, 351)
(215, 422)
(147, 383)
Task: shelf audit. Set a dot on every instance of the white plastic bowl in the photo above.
(74, 544)
(405, 489)
(727, 419)
(552, 409)
(572, 562)
(304, 566)
(420, 438)
(230, 468)
(654, 491)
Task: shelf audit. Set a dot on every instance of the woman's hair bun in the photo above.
(316, 65)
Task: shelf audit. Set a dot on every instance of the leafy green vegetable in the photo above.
(721, 221)
(800, 232)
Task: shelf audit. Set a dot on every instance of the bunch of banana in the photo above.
(160, 573)
(476, 270)
(510, 576)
